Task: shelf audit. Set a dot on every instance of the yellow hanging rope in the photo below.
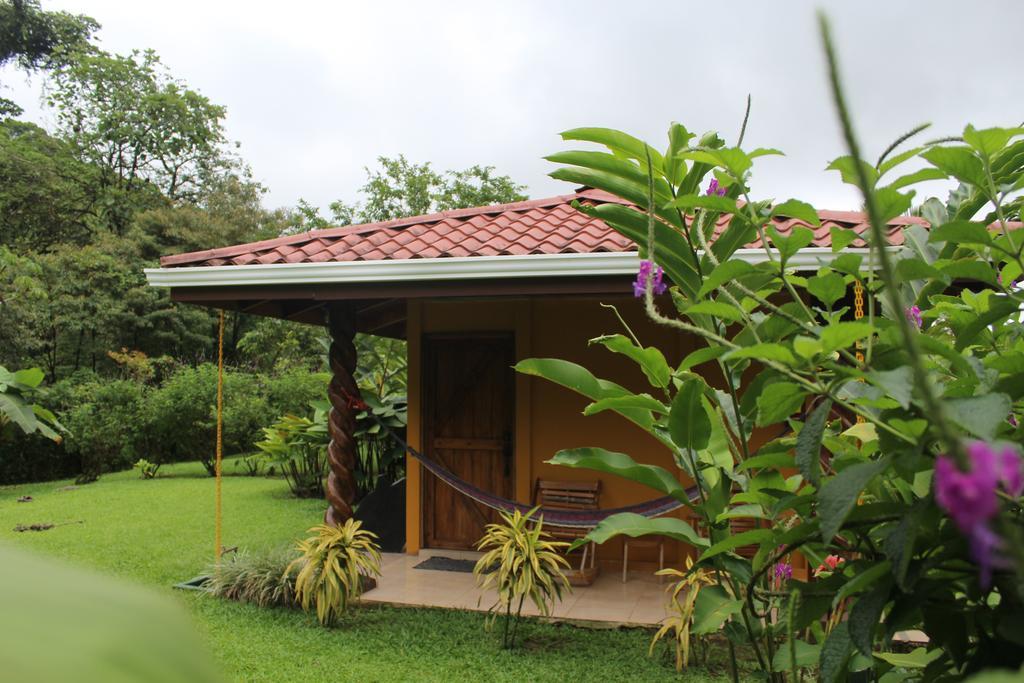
(220, 437)
(858, 313)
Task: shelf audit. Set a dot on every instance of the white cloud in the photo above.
(315, 91)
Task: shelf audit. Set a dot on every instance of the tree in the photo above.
(399, 188)
(149, 135)
(33, 38)
(46, 193)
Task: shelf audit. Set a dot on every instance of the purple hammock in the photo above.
(578, 519)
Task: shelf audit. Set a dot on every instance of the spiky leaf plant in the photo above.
(520, 561)
(265, 579)
(682, 599)
(331, 566)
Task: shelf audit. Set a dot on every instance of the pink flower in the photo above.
(783, 571)
(913, 314)
(971, 500)
(829, 565)
(714, 188)
(649, 273)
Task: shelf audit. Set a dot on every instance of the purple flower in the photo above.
(1012, 419)
(713, 188)
(783, 571)
(970, 498)
(913, 314)
(649, 273)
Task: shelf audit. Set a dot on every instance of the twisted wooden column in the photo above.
(346, 402)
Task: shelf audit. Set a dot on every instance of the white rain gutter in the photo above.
(441, 269)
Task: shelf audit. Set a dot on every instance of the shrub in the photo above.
(332, 568)
(297, 446)
(291, 390)
(520, 561)
(106, 426)
(147, 469)
(266, 579)
(683, 596)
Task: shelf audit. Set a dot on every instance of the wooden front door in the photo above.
(468, 413)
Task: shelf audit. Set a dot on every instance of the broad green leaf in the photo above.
(723, 274)
(828, 288)
(618, 141)
(579, 379)
(704, 355)
(863, 580)
(842, 237)
(917, 177)
(764, 351)
(918, 658)
(649, 358)
(710, 202)
(892, 203)
(806, 655)
(716, 309)
(916, 269)
(958, 162)
(18, 411)
(842, 335)
(778, 401)
(617, 403)
(897, 384)
(840, 493)
(794, 208)
(768, 460)
(808, 443)
(634, 525)
(799, 238)
(865, 615)
(979, 415)
(712, 607)
(752, 537)
(620, 464)
(834, 653)
(960, 232)
(847, 167)
(806, 347)
(688, 423)
(746, 511)
(30, 377)
(989, 141)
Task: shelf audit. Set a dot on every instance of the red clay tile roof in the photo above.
(537, 226)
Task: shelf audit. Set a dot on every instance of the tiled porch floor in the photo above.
(640, 601)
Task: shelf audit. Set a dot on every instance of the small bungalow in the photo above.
(473, 291)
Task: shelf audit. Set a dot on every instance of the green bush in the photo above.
(106, 426)
(265, 579)
(292, 390)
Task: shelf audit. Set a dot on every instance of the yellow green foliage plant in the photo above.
(520, 560)
(332, 567)
(682, 601)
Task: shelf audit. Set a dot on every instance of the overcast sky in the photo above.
(316, 91)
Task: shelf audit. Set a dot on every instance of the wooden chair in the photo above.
(571, 495)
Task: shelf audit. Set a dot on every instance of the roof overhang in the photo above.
(472, 268)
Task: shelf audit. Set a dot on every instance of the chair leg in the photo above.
(583, 562)
(625, 560)
(661, 560)
(593, 555)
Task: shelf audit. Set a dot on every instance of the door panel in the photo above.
(468, 405)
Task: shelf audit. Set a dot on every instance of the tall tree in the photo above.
(33, 38)
(399, 188)
(147, 132)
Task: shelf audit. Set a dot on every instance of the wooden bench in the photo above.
(571, 495)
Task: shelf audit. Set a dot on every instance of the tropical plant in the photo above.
(380, 433)
(297, 446)
(147, 469)
(16, 407)
(896, 373)
(682, 602)
(332, 568)
(266, 579)
(520, 561)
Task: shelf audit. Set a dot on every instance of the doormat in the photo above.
(446, 564)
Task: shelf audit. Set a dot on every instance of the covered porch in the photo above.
(640, 601)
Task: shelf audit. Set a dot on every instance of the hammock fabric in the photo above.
(577, 519)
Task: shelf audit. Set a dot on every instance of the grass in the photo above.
(160, 532)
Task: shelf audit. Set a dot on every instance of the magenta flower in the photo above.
(970, 498)
(649, 273)
(913, 314)
(1012, 419)
(783, 571)
(714, 188)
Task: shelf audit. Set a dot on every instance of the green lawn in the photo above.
(160, 532)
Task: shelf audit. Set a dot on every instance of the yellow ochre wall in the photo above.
(549, 417)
